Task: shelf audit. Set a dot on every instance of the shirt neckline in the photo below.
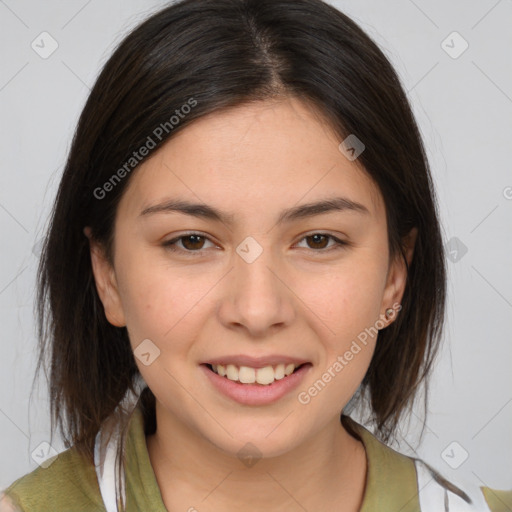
(391, 483)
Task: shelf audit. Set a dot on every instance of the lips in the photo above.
(252, 392)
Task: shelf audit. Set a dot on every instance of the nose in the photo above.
(256, 297)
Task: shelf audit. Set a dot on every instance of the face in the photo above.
(267, 283)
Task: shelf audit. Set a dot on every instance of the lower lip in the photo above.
(256, 394)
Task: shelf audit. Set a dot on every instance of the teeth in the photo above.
(289, 369)
(248, 375)
(279, 372)
(231, 372)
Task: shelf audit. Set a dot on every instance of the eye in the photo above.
(318, 241)
(192, 243)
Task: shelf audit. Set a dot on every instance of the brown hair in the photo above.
(223, 53)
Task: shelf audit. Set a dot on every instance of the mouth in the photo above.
(259, 385)
(263, 376)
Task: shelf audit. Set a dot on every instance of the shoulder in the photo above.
(498, 500)
(398, 482)
(68, 478)
(436, 492)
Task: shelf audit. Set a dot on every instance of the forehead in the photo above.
(250, 158)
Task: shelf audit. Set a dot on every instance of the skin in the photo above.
(6, 504)
(297, 298)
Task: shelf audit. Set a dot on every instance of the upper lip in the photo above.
(256, 362)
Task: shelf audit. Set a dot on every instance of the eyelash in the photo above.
(170, 245)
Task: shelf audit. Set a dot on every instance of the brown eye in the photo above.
(191, 243)
(319, 242)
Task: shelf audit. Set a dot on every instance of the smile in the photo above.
(247, 375)
(250, 385)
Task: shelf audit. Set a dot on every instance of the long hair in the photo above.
(211, 55)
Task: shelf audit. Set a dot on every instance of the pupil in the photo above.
(191, 237)
(317, 237)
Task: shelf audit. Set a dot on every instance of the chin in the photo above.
(256, 438)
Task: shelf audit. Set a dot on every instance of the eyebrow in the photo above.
(204, 211)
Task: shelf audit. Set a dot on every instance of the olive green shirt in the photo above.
(69, 483)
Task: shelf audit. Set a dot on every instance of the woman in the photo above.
(244, 246)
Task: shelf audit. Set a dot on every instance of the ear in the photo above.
(397, 277)
(106, 283)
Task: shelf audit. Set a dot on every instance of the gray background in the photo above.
(464, 108)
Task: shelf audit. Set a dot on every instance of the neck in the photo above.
(326, 472)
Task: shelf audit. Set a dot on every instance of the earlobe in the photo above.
(106, 283)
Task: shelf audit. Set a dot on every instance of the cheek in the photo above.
(160, 303)
(346, 300)
(348, 307)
